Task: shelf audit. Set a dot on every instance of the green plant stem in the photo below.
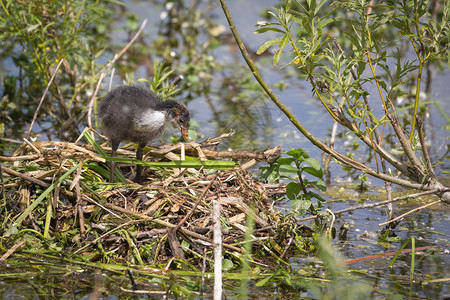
(406, 145)
(310, 77)
(422, 56)
(48, 217)
(246, 256)
(133, 247)
(277, 102)
(416, 102)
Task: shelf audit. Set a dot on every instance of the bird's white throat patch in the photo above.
(151, 120)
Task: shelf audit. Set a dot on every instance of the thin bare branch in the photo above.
(42, 98)
(369, 205)
(109, 65)
(410, 212)
(426, 156)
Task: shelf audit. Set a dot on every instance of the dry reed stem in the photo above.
(42, 99)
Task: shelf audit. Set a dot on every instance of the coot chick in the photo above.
(132, 113)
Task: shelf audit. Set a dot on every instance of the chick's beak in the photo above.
(185, 134)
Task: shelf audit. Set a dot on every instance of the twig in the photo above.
(91, 102)
(11, 251)
(387, 183)
(410, 212)
(366, 101)
(32, 146)
(426, 156)
(23, 176)
(328, 158)
(202, 285)
(372, 204)
(192, 148)
(19, 158)
(79, 203)
(42, 98)
(388, 254)
(200, 199)
(169, 225)
(406, 144)
(287, 247)
(175, 244)
(117, 56)
(217, 251)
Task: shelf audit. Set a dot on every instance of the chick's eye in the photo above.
(184, 120)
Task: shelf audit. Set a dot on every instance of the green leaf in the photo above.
(361, 68)
(266, 45)
(265, 29)
(314, 164)
(279, 272)
(320, 185)
(298, 154)
(287, 170)
(285, 160)
(300, 205)
(227, 264)
(293, 189)
(353, 40)
(92, 141)
(317, 8)
(312, 171)
(314, 195)
(448, 56)
(270, 173)
(287, 5)
(284, 41)
(282, 45)
(277, 57)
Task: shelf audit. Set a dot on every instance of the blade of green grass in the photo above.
(91, 141)
(398, 252)
(194, 163)
(413, 258)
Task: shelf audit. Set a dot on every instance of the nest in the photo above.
(168, 216)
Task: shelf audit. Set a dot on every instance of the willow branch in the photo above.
(406, 145)
(338, 156)
(426, 156)
(386, 155)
